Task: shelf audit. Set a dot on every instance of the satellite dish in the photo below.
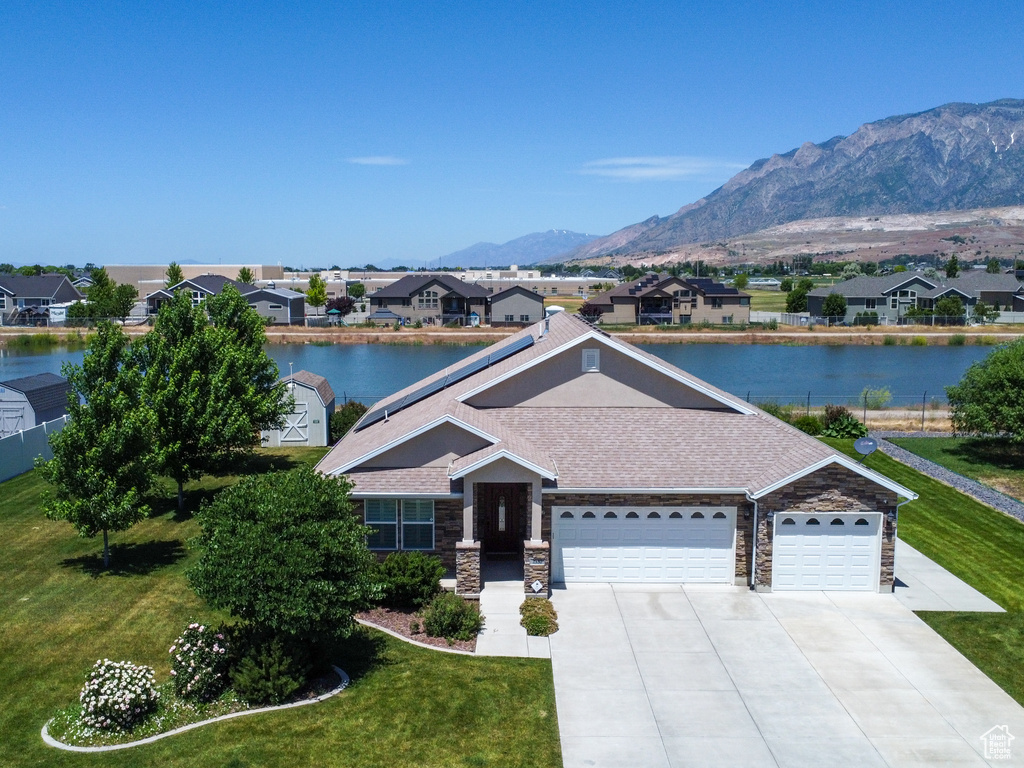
(865, 445)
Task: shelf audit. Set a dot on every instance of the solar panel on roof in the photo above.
(371, 417)
(467, 370)
(511, 349)
(423, 393)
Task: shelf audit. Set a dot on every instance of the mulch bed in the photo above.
(399, 622)
(318, 686)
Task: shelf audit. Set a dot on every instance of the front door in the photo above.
(502, 512)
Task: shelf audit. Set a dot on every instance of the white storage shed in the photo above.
(309, 423)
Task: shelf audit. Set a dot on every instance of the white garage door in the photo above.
(826, 551)
(633, 544)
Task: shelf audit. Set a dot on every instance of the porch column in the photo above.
(536, 516)
(467, 512)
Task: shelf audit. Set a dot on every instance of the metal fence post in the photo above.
(808, 403)
(924, 401)
(865, 407)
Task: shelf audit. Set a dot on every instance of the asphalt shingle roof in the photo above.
(412, 284)
(43, 391)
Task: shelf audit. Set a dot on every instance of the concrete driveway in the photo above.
(722, 676)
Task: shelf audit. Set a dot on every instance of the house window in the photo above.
(744, 301)
(427, 300)
(894, 303)
(274, 306)
(417, 524)
(382, 516)
(870, 303)
(197, 298)
(716, 303)
(3, 302)
(591, 360)
(509, 318)
(727, 319)
(524, 318)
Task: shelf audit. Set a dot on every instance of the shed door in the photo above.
(296, 426)
(826, 551)
(634, 544)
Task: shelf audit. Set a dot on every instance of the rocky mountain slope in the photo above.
(955, 157)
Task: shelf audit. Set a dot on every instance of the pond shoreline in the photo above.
(44, 338)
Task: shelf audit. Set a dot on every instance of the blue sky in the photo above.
(321, 133)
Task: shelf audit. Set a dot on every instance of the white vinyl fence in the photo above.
(18, 452)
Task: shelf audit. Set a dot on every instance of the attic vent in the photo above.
(591, 360)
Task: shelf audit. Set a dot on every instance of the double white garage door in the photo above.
(635, 544)
(697, 544)
(826, 551)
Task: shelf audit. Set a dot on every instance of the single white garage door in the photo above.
(633, 544)
(826, 551)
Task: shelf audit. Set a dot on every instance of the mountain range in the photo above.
(952, 158)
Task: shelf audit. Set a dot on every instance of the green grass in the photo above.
(995, 463)
(60, 612)
(766, 301)
(977, 544)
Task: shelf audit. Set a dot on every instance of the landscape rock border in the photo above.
(345, 680)
(409, 640)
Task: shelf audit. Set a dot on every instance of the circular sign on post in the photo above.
(865, 445)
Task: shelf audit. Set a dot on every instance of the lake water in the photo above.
(369, 372)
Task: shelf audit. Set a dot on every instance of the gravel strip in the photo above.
(972, 488)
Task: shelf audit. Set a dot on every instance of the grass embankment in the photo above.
(996, 463)
(977, 544)
(60, 612)
(766, 301)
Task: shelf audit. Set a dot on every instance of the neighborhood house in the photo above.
(589, 460)
(657, 299)
(27, 299)
(278, 305)
(890, 297)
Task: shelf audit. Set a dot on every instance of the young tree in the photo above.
(316, 296)
(953, 266)
(122, 300)
(834, 306)
(102, 463)
(740, 281)
(212, 386)
(344, 305)
(950, 306)
(786, 284)
(985, 314)
(989, 400)
(993, 267)
(284, 553)
(245, 275)
(796, 300)
(174, 274)
(356, 290)
(590, 312)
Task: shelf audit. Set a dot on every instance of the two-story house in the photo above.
(657, 299)
(431, 299)
(27, 298)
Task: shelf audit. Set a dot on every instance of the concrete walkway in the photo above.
(924, 585)
(500, 598)
(722, 676)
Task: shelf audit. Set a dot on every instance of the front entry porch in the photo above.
(501, 538)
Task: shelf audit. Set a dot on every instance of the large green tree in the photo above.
(989, 400)
(356, 290)
(107, 299)
(210, 383)
(796, 300)
(284, 553)
(103, 459)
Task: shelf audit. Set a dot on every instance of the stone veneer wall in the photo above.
(743, 509)
(832, 489)
(467, 570)
(447, 529)
(537, 567)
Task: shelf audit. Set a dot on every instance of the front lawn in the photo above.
(998, 464)
(60, 612)
(981, 546)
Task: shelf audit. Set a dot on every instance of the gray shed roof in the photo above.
(43, 391)
(317, 382)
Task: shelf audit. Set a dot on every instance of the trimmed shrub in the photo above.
(410, 579)
(268, 670)
(453, 618)
(538, 617)
(199, 663)
(919, 341)
(810, 424)
(344, 418)
(957, 340)
(118, 694)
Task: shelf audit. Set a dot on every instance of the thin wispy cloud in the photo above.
(667, 168)
(378, 160)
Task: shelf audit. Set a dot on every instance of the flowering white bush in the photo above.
(118, 694)
(199, 663)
